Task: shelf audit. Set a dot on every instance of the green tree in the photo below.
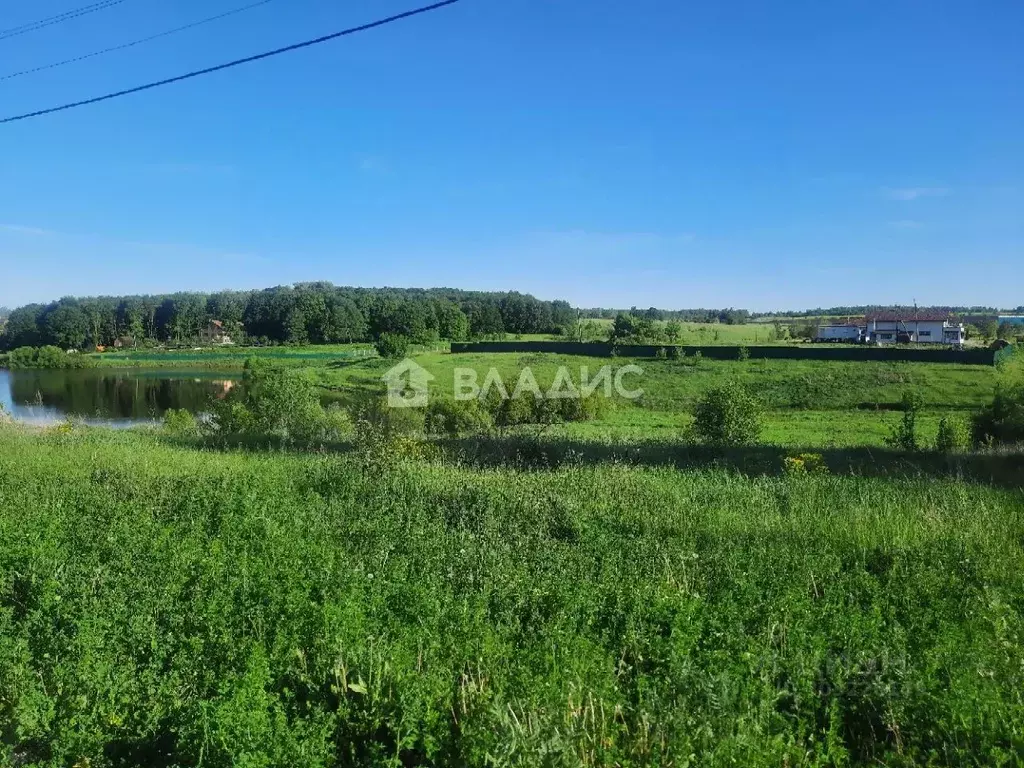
(346, 323)
(452, 322)
(392, 345)
(67, 326)
(624, 327)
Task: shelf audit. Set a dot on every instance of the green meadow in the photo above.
(164, 604)
(808, 403)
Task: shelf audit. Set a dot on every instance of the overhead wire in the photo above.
(49, 22)
(236, 63)
(134, 43)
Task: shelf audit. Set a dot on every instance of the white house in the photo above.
(913, 328)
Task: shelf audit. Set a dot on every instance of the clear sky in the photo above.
(651, 152)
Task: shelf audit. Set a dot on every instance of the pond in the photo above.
(107, 397)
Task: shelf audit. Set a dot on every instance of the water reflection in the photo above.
(114, 398)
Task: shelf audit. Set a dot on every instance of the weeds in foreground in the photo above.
(288, 609)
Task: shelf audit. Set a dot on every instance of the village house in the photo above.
(214, 333)
(913, 328)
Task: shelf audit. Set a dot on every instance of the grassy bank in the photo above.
(227, 358)
(167, 606)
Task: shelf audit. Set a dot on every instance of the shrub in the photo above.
(392, 345)
(743, 354)
(578, 409)
(952, 435)
(46, 357)
(661, 354)
(451, 418)
(727, 415)
(1002, 421)
(675, 353)
(23, 357)
(386, 436)
(515, 411)
(904, 436)
(180, 423)
(274, 402)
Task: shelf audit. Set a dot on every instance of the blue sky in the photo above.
(655, 152)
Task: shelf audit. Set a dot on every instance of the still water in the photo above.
(105, 397)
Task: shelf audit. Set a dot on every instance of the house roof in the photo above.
(909, 317)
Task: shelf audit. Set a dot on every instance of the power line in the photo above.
(238, 62)
(43, 23)
(53, 18)
(135, 42)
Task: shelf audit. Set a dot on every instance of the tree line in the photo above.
(306, 313)
(728, 316)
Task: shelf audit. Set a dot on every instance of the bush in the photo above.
(451, 418)
(661, 354)
(727, 415)
(386, 436)
(515, 411)
(273, 402)
(180, 423)
(743, 354)
(46, 357)
(952, 435)
(579, 409)
(1002, 421)
(675, 353)
(392, 345)
(903, 436)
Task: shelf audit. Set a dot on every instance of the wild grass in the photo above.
(161, 605)
(807, 403)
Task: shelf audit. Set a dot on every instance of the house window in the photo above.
(887, 336)
(924, 333)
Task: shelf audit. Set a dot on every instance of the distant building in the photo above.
(214, 333)
(1012, 319)
(843, 332)
(913, 328)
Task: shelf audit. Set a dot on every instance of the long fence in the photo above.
(823, 352)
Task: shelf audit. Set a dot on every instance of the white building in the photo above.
(847, 332)
(913, 328)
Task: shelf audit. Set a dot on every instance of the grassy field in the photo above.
(809, 403)
(161, 605)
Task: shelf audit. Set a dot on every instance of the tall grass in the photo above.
(165, 606)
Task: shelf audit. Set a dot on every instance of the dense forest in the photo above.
(308, 313)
